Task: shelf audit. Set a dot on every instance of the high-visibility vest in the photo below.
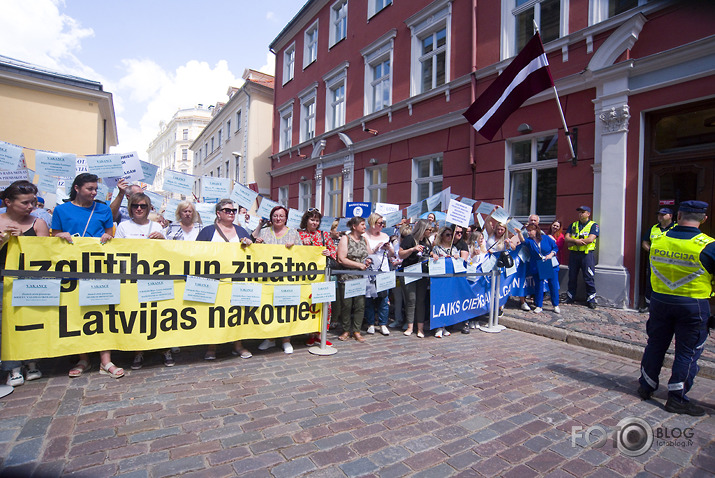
(582, 234)
(656, 231)
(676, 268)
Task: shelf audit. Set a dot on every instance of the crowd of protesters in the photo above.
(364, 247)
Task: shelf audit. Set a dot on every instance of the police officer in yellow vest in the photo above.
(682, 265)
(664, 224)
(581, 241)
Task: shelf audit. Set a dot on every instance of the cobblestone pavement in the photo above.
(465, 405)
(621, 325)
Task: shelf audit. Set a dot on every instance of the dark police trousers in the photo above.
(685, 318)
(587, 264)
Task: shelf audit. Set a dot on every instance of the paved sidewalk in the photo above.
(619, 331)
(466, 405)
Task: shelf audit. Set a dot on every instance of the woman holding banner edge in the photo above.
(352, 254)
(224, 230)
(19, 199)
(82, 216)
(542, 248)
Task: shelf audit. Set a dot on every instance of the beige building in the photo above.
(236, 144)
(170, 149)
(42, 109)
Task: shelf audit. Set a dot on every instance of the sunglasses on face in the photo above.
(228, 210)
(140, 206)
(380, 223)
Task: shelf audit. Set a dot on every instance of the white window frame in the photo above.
(331, 208)
(508, 18)
(379, 187)
(185, 134)
(308, 98)
(376, 6)
(310, 45)
(435, 17)
(285, 139)
(305, 194)
(228, 130)
(238, 121)
(378, 52)
(533, 165)
(336, 17)
(598, 10)
(289, 63)
(338, 77)
(283, 192)
(431, 179)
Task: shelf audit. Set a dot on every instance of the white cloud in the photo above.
(36, 32)
(270, 15)
(270, 66)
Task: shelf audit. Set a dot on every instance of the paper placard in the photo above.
(323, 292)
(156, 199)
(149, 171)
(446, 196)
(99, 292)
(458, 213)
(433, 200)
(9, 177)
(170, 209)
(105, 165)
(215, 188)
(253, 222)
(243, 196)
(356, 287)
(414, 268)
(480, 220)
(489, 263)
(200, 289)
(383, 208)
(131, 165)
(458, 265)
(81, 166)
(514, 224)
(10, 156)
(343, 224)
(523, 254)
(48, 184)
(264, 210)
(472, 269)
(207, 211)
(286, 295)
(294, 218)
(155, 290)
(485, 208)
(414, 210)
(36, 292)
(437, 267)
(386, 281)
(326, 223)
(468, 202)
(102, 192)
(500, 215)
(246, 294)
(180, 183)
(554, 261)
(61, 165)
(511, 270)
(393, 218)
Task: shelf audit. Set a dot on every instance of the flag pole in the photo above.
(561, 112)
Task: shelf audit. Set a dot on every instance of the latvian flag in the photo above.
(527, 75)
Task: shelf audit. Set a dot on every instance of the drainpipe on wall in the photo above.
(244, 166)
(473, 96)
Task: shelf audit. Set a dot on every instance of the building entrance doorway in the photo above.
(679, 165)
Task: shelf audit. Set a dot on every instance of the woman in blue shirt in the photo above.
(542, 248)
(84, 217)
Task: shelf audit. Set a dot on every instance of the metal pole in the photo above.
(323, 349)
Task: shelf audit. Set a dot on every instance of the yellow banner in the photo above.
(35, 332)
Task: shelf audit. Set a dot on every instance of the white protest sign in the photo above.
(207, 211)
(323, 292)
(446, 196)
(383, 208)
(458, 213)
(246, 294)
(177, 182)
(264, 210)
(200, 289)
(468, 202)
(243, 196)
(105, 165)
(149, 171)
(485, 208)
(36, 292)
(393, 218)
(131, 164)
(354, 288)
(414, 210)
(414, 268)
(61, 165)
(48, 184)
(215, 188)
(10, 156)
(438, 267)
(99, 292)
(500, 215)
(155, 290)
(286, 295)
(156, 199)
(433, 200)
(294, 218)
(385, 281)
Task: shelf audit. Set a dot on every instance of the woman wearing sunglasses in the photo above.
(380, 252)
(224, 230)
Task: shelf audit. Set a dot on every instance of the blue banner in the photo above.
(456, 299)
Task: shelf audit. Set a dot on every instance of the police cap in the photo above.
(583, 208)
(694, 206)
(665, 210)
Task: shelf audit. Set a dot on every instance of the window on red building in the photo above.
(532, 171)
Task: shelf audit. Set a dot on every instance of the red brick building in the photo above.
(370, 94)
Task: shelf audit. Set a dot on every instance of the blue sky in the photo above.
(154, 56)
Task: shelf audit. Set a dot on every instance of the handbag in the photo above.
(545, 269)
(329, 261)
